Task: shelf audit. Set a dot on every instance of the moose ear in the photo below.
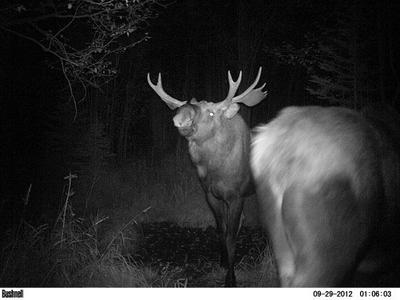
(193, 101)
(231, 111)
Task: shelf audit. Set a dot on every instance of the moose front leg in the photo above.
(233, 215)
(227, 216)
(218, 209)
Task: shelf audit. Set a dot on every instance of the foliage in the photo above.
(92, 151)
(335, 57)
(101, 251)
(287, 53)
(76, 252)
(106, 28)
(339, 75)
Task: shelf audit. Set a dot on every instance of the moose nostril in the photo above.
(182, 122)
(177, 123)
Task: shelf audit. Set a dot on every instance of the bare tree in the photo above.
(84, 35)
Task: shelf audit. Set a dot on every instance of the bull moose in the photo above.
(219, 147)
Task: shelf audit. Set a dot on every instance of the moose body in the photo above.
(327, 182)
(221, 157)
(219, 146)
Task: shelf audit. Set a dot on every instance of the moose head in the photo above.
(200, 119)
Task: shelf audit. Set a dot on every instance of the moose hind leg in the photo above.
(326, 230)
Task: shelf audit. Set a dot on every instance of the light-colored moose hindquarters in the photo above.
(309, 145)
(317, 176)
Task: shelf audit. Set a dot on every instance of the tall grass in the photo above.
(76, 252)
(95, 234)
(169, 186)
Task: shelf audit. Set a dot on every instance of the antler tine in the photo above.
(171, 102)
(250, 88)
(261, 89)
(233, 86)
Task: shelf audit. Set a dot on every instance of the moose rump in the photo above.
(321, 192)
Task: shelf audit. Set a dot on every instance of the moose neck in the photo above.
(229, 139)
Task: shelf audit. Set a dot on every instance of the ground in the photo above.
(194, 252)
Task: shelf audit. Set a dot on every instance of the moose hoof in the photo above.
(230, 280)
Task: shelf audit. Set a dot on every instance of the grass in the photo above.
(259, 271)
(170, 188)
(95, 251)
(75, 254)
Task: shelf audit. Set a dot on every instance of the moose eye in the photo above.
(211, 114)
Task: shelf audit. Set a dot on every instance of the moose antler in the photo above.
(233, 86)
(249, 97)
(170, 101)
